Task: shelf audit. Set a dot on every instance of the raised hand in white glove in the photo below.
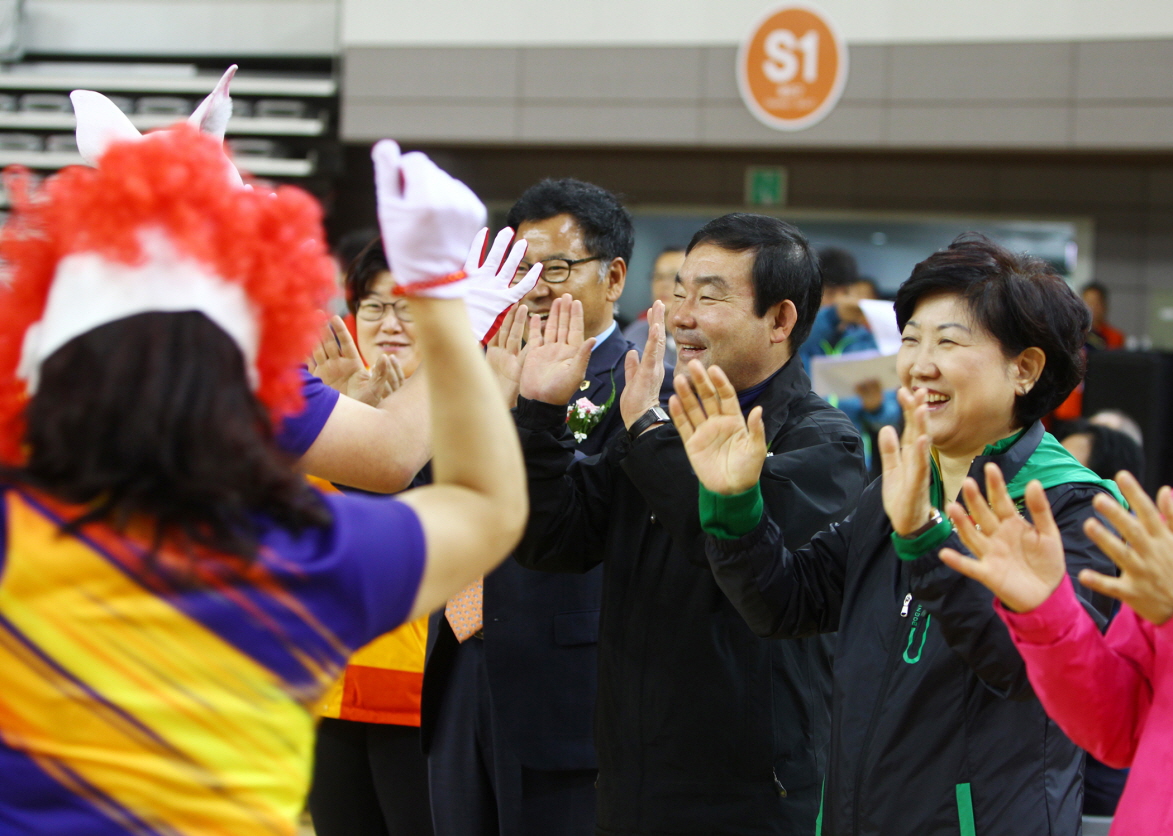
(427, 219)
(488, 290)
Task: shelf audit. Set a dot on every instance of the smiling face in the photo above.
(712, 317)
(561, 237)
(971, 383)
(390, 335)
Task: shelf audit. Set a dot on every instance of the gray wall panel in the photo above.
(978, 125)
(1124, 70)
(669, 75)
(1046, 96)
(981, 72)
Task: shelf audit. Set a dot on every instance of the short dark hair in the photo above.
(364, 270)
(607, 229)
(785, 265)
(351, 244)
(1019, 300)
(151, 417)
(838, 267)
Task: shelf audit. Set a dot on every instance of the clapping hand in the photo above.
(556, 359)
(1145, 555)
(645, 376)
(905, 466)
(337, 363)
(1020, 563)
(725, 450)
(505, 354)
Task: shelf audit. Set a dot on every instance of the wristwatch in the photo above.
(934, 519)
(655, 415)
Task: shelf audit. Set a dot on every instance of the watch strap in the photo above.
(655, 415)
(935, 519)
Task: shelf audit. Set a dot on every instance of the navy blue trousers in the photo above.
(478, 785)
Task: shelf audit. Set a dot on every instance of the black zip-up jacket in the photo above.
(935, 729)
(701, 727)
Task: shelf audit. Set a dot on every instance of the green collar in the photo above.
(1050, 463)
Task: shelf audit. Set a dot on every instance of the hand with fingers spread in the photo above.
(1145, 555)
(645, 376)
(506, 355)
(337, 363)
(1019, 562)
(491, 292)
(556, 358)
(726, 451)
(905, 466)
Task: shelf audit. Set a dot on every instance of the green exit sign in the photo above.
(765, 185)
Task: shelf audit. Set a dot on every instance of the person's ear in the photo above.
(616, 277)
(783, 317)
(1026, 369)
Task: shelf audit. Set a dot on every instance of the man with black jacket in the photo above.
(701, 727)
(507, 706)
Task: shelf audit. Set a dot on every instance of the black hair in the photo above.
(151, 418)
(1111, 450)
(785, 265)
(364, 271)
(1019, 300)
(607, 229)
(838, 267)
(351, 244)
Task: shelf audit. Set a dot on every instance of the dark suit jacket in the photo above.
(541, 629)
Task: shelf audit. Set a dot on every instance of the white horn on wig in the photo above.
(99, 124)
(213, 114)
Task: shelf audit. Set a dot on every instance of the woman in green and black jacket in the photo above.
(935, 729)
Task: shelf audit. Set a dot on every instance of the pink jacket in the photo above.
(1112, 694)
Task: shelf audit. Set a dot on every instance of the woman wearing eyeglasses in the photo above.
(370, 775)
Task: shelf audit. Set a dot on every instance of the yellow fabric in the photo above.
(195, 738)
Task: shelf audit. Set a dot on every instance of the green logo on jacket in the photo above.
(923, 626)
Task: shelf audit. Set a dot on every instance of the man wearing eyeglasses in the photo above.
(507, 711)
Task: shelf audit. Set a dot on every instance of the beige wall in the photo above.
(1053, 96)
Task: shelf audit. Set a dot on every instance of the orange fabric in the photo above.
(378, 695)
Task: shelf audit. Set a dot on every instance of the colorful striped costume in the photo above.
(136, 699)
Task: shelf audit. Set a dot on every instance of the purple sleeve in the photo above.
(299, 432)
(376, 561)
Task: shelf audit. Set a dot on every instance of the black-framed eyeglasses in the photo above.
(556, 270)
(372, 310)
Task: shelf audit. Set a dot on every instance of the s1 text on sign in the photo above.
(792, 67)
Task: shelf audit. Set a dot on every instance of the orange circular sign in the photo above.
(792, 67)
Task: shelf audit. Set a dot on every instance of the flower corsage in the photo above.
(583, 416)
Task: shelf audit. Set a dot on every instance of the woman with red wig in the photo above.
(173, 596)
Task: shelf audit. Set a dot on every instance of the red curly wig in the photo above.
(271, 242)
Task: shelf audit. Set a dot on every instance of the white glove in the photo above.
(488, 294)
(427, 219)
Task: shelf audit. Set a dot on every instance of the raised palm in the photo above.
(505, 354)
(725, 450)
(1020, 563)
(556, 357)
(905, 466)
